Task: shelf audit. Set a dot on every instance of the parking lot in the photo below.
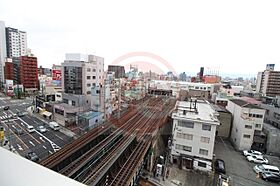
(238, 168)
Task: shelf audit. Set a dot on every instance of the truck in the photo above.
(54, 125)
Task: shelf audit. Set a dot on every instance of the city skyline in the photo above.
(212, 34)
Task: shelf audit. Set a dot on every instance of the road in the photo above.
(43, 144)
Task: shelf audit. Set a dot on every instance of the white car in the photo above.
(257, 159)
(42, 129)
(251, 152)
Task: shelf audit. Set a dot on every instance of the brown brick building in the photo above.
(29, 72)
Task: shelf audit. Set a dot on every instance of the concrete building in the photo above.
(176, 86)
(247, 124)
(193, 134)
(16, 42)
(225, 118)
(3, 51)
(272, 115)
(80, 73)
(12, 70)
(268, 82)
(90, 120)
(272, 140)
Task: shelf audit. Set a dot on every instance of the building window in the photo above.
(258, 125)
(88, 92)
(246, 136)
(203, 152)
(93, 84)
(99, 77)
(88, 69)
(65, 101)
(73, 103)
(186, 124)
(183, 147)
(206, 127)
(93, 77)
(184, 136)
(201, 164)
(205, 139)
(248, 126)
(88, 85)
(97, 91)
(88, 77)
(99, 70)
(94, 70)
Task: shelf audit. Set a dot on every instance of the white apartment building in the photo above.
(193, 134)
(247, 123)
(3, 52)
(16, 42)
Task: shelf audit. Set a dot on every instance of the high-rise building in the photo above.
(16, 42)
(3, 52)
(268, 82)
(29, 73)
(119, 70)
(12, 70)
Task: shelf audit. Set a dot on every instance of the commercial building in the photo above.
(193, 134)
(3, 52)
(247, 124)
(268, 82)
(16, 42)
(80, 73)
(29, 73)
(12, 70)
(118, 70)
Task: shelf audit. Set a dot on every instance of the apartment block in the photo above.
(193, 134)
(247, 124)
(268, 82)
(29, 73)
(16, 42)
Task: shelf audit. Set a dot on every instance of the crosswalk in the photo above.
(55, 146)
(8, 116)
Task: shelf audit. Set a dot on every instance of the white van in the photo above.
(54, 125)
(266, 168)
(30, 129)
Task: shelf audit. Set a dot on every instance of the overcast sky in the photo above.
(232, 37)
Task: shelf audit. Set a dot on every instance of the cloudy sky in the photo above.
(232, 37)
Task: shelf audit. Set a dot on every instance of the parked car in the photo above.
(42, 129)
(32, 156)
(257, 159)
(6, 108)
(251, 152)
(223, 180)
(19, 131)
(266, 168)
(268, 176)
(220, 166)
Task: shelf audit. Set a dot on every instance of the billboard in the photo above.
(9, 87)
(56, 74)
(270, 66)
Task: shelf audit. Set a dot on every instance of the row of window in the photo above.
(250, 126)
(190, 137)
(188, 124)
(255, 115)
(93, 77)
(93, 70)
(189, 149)
(93, 84)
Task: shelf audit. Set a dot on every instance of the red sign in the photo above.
(56, 74)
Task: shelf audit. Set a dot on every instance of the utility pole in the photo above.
(119, 96)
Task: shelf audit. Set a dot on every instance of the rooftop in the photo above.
(90, 114)
(204, 111)
(245, 104)
(219, 108)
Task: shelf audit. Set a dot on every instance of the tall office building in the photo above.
(3, 52)
(268, 82)
(16, 42)
(29, 73)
